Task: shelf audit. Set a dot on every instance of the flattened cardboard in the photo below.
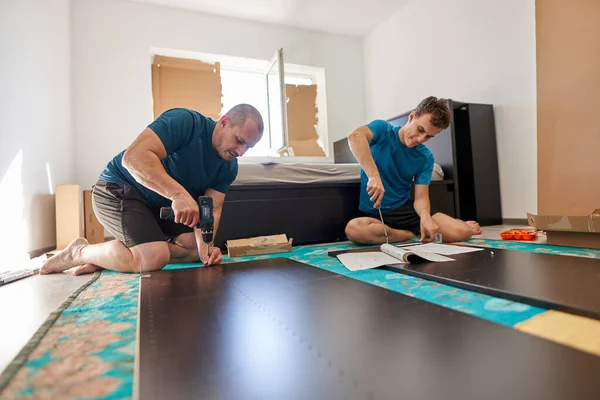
(567, 95)
(305, 148)
(302, 112)
(94, 231)
(569, 230)
(302, 120)
(259, 245)
(69, 214)
(178, 82)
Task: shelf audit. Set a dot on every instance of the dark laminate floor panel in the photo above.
(279, 329)
(545, 280)
(557, 282)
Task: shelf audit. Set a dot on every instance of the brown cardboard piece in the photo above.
(302, 120)
(305, 148)
(69, 215)
(94, 231)
(259, 245)
(568, 230)
(567, 95)
(179, 82)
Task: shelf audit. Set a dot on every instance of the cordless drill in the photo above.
(205, 223)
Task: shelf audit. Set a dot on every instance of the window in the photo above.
(295, 124)
(247, 87)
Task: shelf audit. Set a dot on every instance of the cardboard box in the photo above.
(94, 232)
(567, 230)
(259, 245)
(69, 215)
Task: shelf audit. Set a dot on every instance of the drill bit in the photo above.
(383, 223)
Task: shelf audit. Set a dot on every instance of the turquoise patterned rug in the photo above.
(87, 348)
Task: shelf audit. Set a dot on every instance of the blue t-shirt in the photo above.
(191, 159)
(398, 165)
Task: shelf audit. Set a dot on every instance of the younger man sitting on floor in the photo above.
(390, 159)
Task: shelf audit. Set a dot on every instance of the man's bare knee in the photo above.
(356, 231)
(150, 257)
(353, 230)
(186, 240)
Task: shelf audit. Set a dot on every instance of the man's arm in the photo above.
(143, 161)
(422, 203)
(359, 145)
(423, 208)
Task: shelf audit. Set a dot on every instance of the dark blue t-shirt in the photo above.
(398, 165)
(191, 159)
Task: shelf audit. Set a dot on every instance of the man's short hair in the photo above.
(438, 108)
(241, 112)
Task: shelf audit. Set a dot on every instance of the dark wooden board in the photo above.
(545, 280)
(280, 329)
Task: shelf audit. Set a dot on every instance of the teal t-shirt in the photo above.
(398, 166)
(191, 159)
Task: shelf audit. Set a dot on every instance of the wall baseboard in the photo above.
(515, 221)
(39, 252)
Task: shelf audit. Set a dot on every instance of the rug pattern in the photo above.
(89, 352)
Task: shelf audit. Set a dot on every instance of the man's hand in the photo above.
(215, 256)
(375, 190)
(428, 229)
(186, 210)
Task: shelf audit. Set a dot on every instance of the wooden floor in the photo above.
(25, 304)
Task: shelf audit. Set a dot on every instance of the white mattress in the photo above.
(304, 173)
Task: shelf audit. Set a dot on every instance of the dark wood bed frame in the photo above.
(318, 212)
(309, 213)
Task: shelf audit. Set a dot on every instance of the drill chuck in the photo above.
(207, 235)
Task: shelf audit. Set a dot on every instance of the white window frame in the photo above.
(259, 66)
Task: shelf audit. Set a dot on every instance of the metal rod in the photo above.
(387, 240)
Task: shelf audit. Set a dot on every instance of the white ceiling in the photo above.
(347, 17)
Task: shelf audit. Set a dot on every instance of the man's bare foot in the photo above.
(475, 228)
(67, 258)
(86, 269)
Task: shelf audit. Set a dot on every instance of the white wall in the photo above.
(112, 95)
(35, 115)
(472, 51)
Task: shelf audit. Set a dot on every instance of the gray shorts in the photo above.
(124, 213)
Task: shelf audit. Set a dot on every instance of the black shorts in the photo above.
(404, 218)
(125, 214)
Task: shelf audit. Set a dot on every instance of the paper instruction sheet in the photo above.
(444, 249)
(372, 259)
(389, 255)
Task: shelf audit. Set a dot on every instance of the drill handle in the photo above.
(205, 208)
(167, 213)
